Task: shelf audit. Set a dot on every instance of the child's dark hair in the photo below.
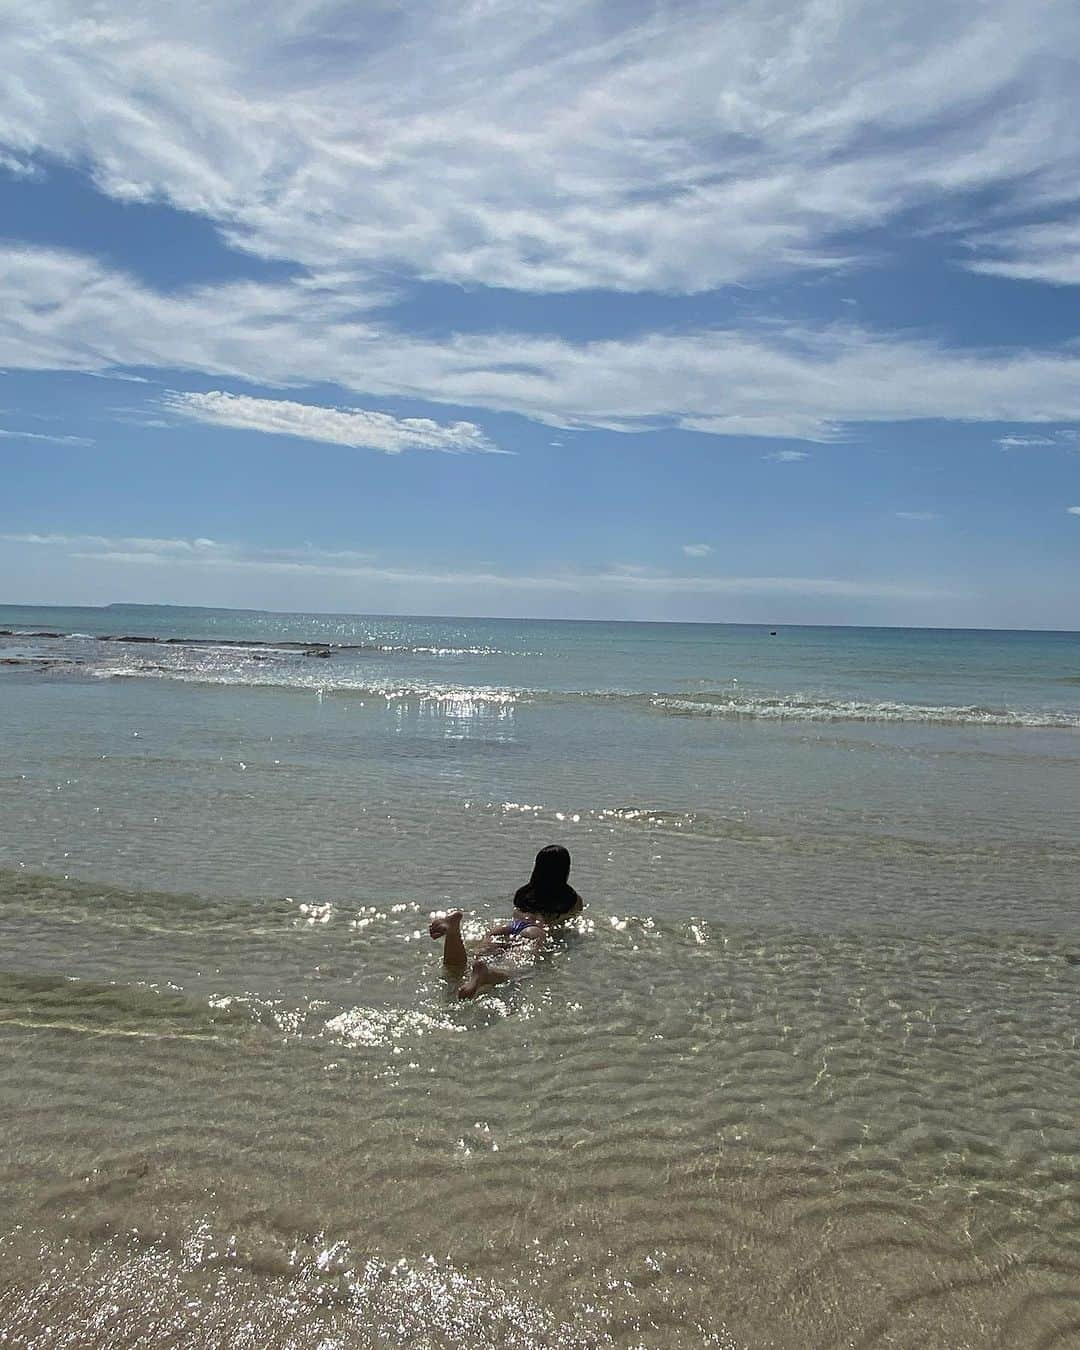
(547, 891)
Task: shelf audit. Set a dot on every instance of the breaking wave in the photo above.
(329, 668)
(740, 707)
(819, 708)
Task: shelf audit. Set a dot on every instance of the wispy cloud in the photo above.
(18, 168)
(138, 417)
(682, 147)
(196, 552)
(917, 515)
(1073, 510)
(41, 436)
(788, 456)
(336, 426)
(1063, 438)
(697, 550)
(305, 559)
(1047, 252)
(70, 313)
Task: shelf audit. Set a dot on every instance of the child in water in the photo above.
(546, 900)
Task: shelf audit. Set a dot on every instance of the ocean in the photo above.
(805, 1073)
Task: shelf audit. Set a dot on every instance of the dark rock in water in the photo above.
(1073, 958)
(211, 642)
(772, 632)
(317, 651)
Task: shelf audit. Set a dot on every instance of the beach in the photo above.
(806, 1072)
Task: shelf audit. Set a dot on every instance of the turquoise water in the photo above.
(967, 676)
(805, 1074)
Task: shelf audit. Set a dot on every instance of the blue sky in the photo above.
(757, 312)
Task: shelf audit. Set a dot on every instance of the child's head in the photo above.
(552, 867)
(547, 891)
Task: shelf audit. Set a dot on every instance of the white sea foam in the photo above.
(408, 649)
(449, 698)
(749, 707)
(817, 708)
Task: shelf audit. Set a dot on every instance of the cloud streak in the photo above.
(7, 434)
(68, 312)
(1046, 252)
(316, 562)
(197, 552)
(1063, 438)
(355, 427)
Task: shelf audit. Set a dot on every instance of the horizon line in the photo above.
(525, 618)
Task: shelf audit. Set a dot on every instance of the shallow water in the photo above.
(806, 1074)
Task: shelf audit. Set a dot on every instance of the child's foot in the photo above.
(482, 976)
(440, 927)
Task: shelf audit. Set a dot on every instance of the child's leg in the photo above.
(483, 976)
(454, 955)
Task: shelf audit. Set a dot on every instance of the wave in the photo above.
(742, 707)
(821, 708)
(307, 667)
(316, 682)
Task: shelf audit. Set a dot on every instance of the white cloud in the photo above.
(18, 168)
(63, 311)
(697, 550)
(1073, 510)
(788, 456)
(1048, 252)
(336, 426)
(917, 515)
(1064, 438)
(198, 552)
(557, 146)
(41, 436)
(624, 579)
(136, 418)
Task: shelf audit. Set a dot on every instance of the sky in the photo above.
(764, 311)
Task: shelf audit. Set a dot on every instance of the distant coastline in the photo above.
(119, 606)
